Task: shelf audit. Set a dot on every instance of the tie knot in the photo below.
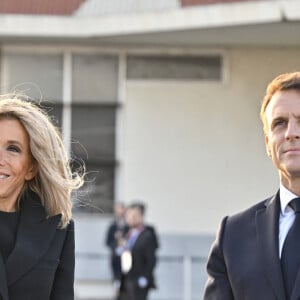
(295, 204)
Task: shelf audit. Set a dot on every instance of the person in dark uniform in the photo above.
(114, 238)
(36, 230)
(138, 257)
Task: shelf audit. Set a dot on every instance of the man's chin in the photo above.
(292, 173)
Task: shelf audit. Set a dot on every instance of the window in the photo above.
(95, 78)
(38, 76)
(95, 92)
(93, 133)
(147, 67)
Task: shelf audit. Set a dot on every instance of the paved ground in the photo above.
(93, 290)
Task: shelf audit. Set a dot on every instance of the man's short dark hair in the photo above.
(138, 205)
(283, 82)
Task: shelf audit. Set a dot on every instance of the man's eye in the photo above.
(279, 123)
(13, 148)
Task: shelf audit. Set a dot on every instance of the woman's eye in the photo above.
(13, 148)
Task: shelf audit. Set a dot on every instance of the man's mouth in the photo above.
(291, 150)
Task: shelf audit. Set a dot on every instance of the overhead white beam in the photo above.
(206, 16)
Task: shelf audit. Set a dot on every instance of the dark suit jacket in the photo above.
(244, 261)
(41, 265)
(143, 257)
(111, 241)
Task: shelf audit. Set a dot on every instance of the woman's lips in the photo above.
(3, 176)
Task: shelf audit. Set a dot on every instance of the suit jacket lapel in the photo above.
(3, 282)
(267, 227)
(138, 239)
(34, 235)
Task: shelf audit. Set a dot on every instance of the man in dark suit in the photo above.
(256, 254)
(138, 257)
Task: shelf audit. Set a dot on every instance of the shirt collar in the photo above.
(285, 197)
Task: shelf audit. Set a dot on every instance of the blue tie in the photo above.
(290, 258)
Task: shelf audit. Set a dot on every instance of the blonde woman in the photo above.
(36, 230)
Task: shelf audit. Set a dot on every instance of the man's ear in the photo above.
(268, 146)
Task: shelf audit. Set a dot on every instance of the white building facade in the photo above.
(163, 106)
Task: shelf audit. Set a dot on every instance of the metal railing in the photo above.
(185, 261)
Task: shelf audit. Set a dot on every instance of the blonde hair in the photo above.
(54, 180)
(283, 82)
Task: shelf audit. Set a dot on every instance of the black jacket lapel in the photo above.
(34, 235)
(3, 282)
(267, 220)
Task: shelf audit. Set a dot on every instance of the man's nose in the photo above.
(293, 130)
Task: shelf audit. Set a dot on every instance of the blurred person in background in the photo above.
(138, 257)
(36, 230)
(114, 238)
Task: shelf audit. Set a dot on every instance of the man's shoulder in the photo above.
(112, 227)
(151, 232)
(248, 213)
(148, 230)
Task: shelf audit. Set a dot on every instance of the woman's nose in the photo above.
(2, 157)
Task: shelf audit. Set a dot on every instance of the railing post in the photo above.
(187, 277)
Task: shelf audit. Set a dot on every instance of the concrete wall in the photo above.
(195, 151)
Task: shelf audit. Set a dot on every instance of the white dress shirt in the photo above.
(287, 215)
